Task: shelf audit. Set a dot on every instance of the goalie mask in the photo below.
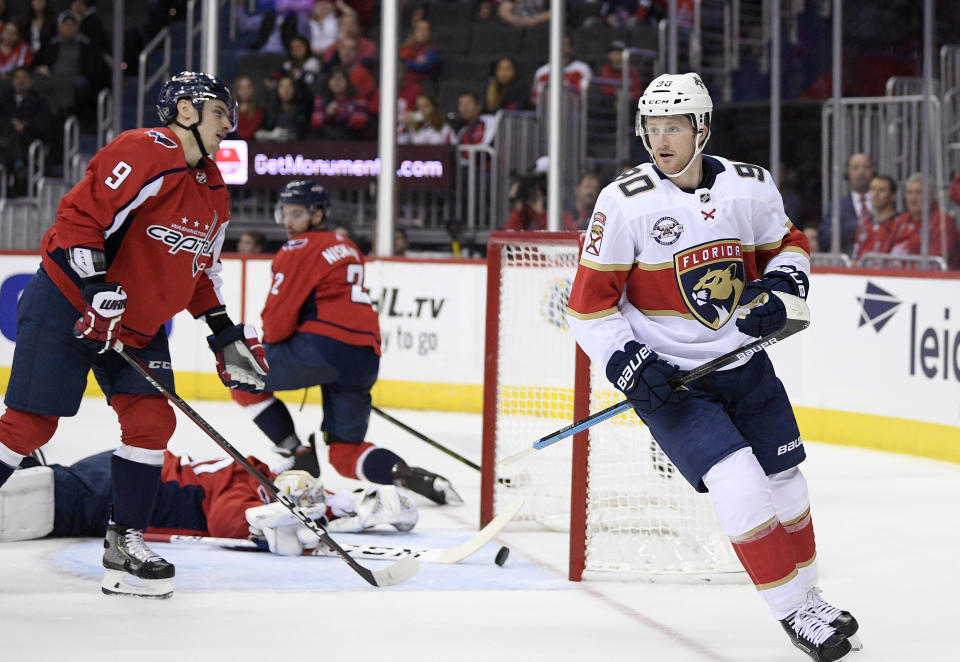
(676, 94)
(310, 194)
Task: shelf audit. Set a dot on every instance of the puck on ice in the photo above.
(502, 556)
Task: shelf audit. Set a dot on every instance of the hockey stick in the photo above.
(365, 551)
(798, 319)
(423, 437)
(394, 574)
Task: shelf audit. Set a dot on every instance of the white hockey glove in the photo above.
(284, 533)
(241, 359)
(364, 508)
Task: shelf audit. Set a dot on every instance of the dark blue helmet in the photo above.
(308, 193)
(198, 87)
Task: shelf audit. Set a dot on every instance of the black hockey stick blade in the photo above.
(395, 573)
(423, 437)
(798, 319)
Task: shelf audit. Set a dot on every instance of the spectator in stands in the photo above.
(91, 26)
(288, 116)
(250, 115)
(577, 215)
(14, 51)
(419, 53)
(366, 50)
(854, 207)
(301, 64)
(74, 64)
(251, 242)
(407, 94)
(574, 72)
(400, 243)
(325, 25)
(341, 113)
(426, 125)
(41, 25)
(506, 91)
(875, 234)
(613, 69)
(620, 14)
(477, 129)
(907, 236)
(346, 56)
(524, 13)
(279, 25)
(528, 198)
(24, 117)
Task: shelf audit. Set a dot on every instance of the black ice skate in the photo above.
(819, 640)
(842, 621)
(132, 568)
(433, 486)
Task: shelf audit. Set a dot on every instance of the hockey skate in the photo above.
(433, 486)
(132, 568)
(842, 621)
(815, 637)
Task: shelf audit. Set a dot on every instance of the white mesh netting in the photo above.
(642, 516)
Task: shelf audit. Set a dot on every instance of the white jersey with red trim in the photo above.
(666, 266)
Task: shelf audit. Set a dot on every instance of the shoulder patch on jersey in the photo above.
(666, 231)
(711, 279)
(161, 139)
(294, 244)
(595, 233)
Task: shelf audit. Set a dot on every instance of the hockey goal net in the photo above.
(627, 508)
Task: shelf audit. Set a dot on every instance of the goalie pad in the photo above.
(26, 504)
(284, 533)
(364, 508)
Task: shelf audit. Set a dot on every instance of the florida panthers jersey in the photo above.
(318, 288)
(159, 222)
(666, 266)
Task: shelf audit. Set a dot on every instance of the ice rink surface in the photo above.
(887, 529)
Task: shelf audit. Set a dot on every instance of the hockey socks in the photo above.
(363, 461)
(135, 485)
(275, 422)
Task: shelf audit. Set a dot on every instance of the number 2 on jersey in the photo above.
(355, 279)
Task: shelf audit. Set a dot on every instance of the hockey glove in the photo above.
(99, 326)
(644, 377)
(767, 315)
(241, 361)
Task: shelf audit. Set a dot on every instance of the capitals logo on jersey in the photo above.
(711, 278)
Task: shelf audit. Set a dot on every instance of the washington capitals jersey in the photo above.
(666, 266)
(318, 288)
(160, 224)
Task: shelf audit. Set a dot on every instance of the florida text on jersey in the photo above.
(666, 266)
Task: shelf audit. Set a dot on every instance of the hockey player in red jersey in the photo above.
(674, 251)
(135, 242)
(320, 328)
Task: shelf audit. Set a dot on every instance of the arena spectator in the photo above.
(14, 51)
(75, 66)
(278, 25)
(400, 243)
(41, 25)
(407, 94)
(324, 25)
(251, 242)
(505, 90)
(524, 13)
(347, 57)
(301, 64)
(24, 117)
(419, 53)
(288, 115)
(477, 129)
(528, 197)
(620, 14)
(613, 69)
(250, 115)
(366, 51)
(875, 234)
(341, 113)
(426, 125)
(577, 215)
(574, 72)
(91, 26)
(907, 236)
(854, 207)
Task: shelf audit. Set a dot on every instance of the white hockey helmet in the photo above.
(676, 94)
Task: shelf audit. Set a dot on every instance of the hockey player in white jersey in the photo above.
(674, 250)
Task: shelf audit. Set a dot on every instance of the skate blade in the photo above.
(450, 495)
(118, 582)
(855, 643)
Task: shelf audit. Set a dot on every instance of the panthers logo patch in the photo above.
(711, 278)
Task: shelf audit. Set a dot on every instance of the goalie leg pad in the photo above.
(27, 504)
(364, 508)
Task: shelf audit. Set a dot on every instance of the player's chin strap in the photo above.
(696, 153)
(196, 135)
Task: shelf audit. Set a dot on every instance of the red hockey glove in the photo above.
(241, 361)
(99, 327)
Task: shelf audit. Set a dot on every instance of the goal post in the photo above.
(626, 507)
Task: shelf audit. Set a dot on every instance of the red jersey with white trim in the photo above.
(318, 288)
(223, 489)
(159, 222)
(666, 267)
